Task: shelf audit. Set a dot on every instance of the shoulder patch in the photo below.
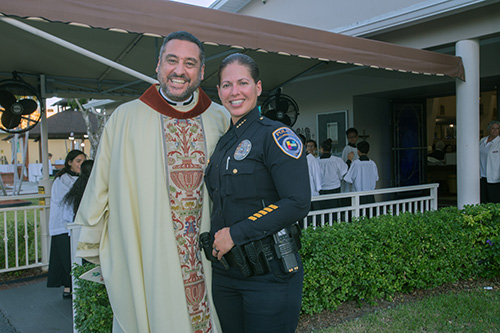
(288, 142)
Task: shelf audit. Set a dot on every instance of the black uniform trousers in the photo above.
(261, 303)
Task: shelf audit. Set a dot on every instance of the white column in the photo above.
(468, 125)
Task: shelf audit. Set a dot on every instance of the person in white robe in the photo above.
(60, 254)
(363, 173)
(145, 203)
(333, 170)
(314, 174)
(349, 154)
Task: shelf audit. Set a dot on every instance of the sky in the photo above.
(201, 3)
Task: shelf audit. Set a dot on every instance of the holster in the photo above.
(206, 242)
(253, 258)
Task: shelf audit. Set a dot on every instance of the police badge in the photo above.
(242, 150)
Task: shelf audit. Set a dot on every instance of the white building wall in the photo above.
(434, 24)
(331, 13)
(483, 21)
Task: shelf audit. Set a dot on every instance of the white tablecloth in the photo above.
(35, 172)
(7, 168)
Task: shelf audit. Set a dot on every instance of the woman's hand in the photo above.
(223, 243)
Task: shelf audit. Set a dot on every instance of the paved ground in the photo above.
(29, 307)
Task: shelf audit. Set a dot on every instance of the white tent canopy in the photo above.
(128, 33)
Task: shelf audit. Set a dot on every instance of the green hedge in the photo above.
(92, 309)
(378, 257)
(366, 259)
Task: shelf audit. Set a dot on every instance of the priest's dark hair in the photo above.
(184, 35)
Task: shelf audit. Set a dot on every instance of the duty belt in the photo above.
(253, 258)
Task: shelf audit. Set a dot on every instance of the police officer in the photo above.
(258, 180)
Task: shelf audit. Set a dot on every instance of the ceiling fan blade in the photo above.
(29, 106)
(6, 99)
(10, 120)
(286, 120)
(283, 105)
(271, 114)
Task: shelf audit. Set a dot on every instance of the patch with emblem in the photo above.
(288, 142)
(242, 150)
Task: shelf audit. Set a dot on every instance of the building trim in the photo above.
(408, 16)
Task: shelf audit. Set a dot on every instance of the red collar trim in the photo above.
(153, 99)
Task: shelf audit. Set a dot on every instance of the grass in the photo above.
(477, 310)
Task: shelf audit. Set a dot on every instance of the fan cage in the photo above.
(22, 90)
(271, 105)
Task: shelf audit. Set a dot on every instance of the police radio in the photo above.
(286, 247)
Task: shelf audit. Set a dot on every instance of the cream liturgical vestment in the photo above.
(145, 205)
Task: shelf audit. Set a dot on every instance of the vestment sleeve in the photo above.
(291, 180)
(92, 214)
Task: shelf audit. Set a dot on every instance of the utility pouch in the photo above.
(241, 261)
(257, 258)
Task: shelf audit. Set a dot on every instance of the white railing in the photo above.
(394, 201)
(24, 231)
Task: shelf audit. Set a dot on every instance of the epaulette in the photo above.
(267, 122)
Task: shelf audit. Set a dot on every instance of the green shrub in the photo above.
(379, 257)
(365, 260)
(92, 309)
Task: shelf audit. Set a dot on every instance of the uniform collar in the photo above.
(364, 158)
(153, 99)
(245, 121)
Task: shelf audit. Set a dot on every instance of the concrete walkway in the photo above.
(29, 306)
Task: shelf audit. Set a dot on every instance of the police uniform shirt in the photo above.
(258, 179)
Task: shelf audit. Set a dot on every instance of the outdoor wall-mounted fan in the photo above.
(20, 106)
(281, 107)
